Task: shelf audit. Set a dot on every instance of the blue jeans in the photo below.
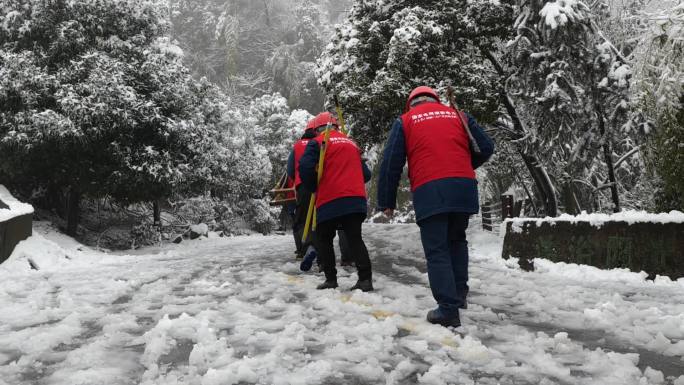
(446, 251)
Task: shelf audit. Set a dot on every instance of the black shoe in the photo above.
(346, 263)
(364, 286)
(434, 317)
(327, 285)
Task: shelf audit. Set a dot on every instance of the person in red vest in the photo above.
(340, 199)
(303, 194)
(441, 164)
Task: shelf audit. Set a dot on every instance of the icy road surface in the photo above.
(238, 311)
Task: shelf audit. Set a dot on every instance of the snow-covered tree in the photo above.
(386, 48)
(659, 94)
(274, 127)
(95, 101)
(292, 63)
(208, 33)
(571, 84)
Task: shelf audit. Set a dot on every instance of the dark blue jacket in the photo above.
(291, 165)
(448, 195)
(338, 207)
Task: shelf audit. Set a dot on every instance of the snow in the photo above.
(557, 13)
(596, 219)
(15, 207)
(200, 229)
(238, 310)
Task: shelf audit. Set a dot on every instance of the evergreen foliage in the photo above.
(659, 85)
(386, 48)
(96, 102)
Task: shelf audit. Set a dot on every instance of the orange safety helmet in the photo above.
(420, 91)
(322, 120)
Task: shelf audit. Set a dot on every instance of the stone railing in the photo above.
(653, 243)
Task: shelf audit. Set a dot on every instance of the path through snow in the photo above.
(238, 311)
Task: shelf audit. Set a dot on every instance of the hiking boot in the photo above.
(308, 261)
(436, 317)
(327, 285)
(366, 285)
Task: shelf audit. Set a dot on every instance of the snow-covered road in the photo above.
(238, 311)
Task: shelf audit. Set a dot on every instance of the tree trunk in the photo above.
(543, 182)
(569, 199)
(608, 158)
(527, 191)
(156, 213)
(73, 203)
(267, 13)
(611, 177)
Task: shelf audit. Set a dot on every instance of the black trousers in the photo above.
(323, 240)
(344, 246)
(303, 199)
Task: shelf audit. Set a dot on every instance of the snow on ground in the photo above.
(238, 311)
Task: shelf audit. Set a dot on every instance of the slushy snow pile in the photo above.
(238, 311)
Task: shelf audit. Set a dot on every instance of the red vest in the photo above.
(342, 173)
(299, 149)
(437, 144)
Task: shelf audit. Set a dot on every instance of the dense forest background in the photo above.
(123, 114)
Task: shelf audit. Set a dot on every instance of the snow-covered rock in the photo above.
(15, 207)
(200, 230)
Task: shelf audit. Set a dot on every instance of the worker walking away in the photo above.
(340, 198)
(436, 140)
(303, 194)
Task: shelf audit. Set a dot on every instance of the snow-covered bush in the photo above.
(145, 234)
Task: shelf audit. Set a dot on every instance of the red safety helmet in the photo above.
(420, 91)
(310, 124)
(322, 120)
